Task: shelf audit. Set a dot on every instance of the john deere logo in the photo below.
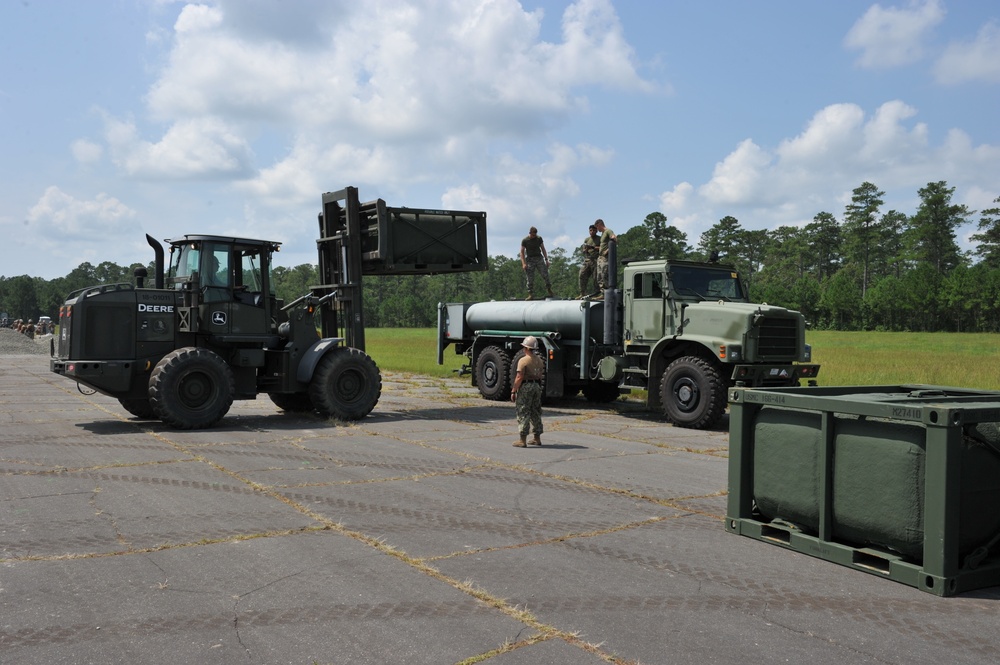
(219, 318)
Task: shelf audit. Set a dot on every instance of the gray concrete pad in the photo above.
(418, 535)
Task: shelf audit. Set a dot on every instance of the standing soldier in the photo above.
(607, 237)
(534, 257)
(527, 394)
(590, 248)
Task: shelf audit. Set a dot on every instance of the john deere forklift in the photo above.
(210, 330)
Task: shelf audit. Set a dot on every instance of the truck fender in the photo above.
(662, 354)
(312, 357)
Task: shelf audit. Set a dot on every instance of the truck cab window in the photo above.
(648, 285)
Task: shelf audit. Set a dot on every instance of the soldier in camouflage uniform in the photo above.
(534, 258)
(607, 237)
(527, 394)
(588, 270)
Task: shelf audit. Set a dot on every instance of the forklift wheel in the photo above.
(292, 402)
(346, 384)
(140, 408)
(191, 388)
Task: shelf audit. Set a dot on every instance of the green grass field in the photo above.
(412, 350)
(942, 359)
(848, 358)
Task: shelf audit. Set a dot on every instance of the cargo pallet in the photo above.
(895, 481)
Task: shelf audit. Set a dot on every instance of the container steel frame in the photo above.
(942, 411)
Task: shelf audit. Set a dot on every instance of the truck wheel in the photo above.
(693, 393)
(346, 384)
(191, 388)
(292, 402)
(492, 374)
(140, 408)
(601, 392)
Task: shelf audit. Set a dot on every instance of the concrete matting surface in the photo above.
(419, 535)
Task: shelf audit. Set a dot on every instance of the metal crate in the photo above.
(902, 482)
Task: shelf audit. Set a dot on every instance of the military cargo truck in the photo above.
(683, 331)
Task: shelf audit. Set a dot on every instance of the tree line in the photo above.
(871, 269)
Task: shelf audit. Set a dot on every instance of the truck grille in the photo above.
(777, 339)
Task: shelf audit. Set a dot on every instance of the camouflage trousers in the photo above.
(532, 264)
(587, 271)
(602, 273)
(528, 407)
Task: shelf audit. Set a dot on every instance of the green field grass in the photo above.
(848, 358)
(942, 359)
(411, 350)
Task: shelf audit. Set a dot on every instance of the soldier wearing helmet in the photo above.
(527, 393)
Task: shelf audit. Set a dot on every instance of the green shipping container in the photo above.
(898, 481)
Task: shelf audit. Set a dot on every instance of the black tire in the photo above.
(292, 402)
(493, 374)
(191, 388)
(140, 408)
(601, 392)
(693, 393)
(345, 385)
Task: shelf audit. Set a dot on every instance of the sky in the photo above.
(120, 118)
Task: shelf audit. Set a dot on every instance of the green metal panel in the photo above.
(898, 481)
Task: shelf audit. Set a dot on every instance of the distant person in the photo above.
(607, 237)
(591, 247)
(527, 393)
(535, 258)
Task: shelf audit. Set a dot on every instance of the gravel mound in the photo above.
(13, 343)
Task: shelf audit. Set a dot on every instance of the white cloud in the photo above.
(518, 194)
(195, 18)
(739, 177)
(86, 152)
(62, 216)
(450, 79)
(972, 61)
(815, 171)
(831, 134)
(203, 147)
(892, 37)
(677, 198)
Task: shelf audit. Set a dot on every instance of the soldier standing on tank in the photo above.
(534, 258)
(607, 237)
(527, 394)
(590, 248)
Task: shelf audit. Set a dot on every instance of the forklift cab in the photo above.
(230, 280)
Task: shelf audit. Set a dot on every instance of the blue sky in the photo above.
(120, 118)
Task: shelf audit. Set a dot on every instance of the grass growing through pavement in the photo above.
(848, 358)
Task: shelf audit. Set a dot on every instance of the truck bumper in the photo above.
(111, 377)
(773, 375)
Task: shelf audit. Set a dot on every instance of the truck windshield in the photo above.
(706, 283)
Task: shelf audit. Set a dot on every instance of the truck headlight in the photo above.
(807, 353)
(734, 353)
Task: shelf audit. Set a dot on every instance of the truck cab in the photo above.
(690, 332)
(657, 291)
